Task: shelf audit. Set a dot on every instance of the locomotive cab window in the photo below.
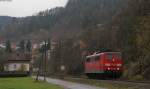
(87, 59)
(97, 58)
(109, 56)
(119, 55)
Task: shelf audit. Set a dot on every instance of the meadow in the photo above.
(25, 83)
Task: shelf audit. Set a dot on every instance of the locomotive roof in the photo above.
(97, 54)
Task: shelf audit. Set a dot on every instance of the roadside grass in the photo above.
(25, 83)
(106, 84)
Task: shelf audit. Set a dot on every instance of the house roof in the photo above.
(18, 58)
(18, 61)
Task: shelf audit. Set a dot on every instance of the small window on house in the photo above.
(7, 67)
(17, 54)
(15, 66)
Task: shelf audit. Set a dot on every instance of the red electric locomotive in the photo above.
(105, 64)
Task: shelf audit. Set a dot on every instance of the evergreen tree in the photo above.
(28, 46)
(22, 46)
(48, 44)
(8, 47)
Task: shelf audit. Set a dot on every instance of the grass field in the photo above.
(25, 83)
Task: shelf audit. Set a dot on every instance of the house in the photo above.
(18, 64)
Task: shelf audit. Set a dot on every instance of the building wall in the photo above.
(17, 67)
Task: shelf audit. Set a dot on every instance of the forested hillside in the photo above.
(5, 20)
(75, 16)
(89, 26)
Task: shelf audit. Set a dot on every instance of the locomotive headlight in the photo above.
(108, 68)
(118, 68)
(119, 65)
(107, 64)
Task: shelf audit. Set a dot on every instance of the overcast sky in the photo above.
(21, 8)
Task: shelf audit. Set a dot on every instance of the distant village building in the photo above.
(53, 44)
(2, 45)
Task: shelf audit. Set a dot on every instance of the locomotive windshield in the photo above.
(93, 58)
(111, 55)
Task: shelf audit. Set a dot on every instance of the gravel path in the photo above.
(69, 85)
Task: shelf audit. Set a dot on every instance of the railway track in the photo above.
(128, 82)
(114, 81)
(109, 83)
(148, 82)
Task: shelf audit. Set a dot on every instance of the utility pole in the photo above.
(39, 68)
(45, 57)
(62, 66)
(40, 65)
(43, 61)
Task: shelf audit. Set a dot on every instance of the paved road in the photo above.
(70, 85)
